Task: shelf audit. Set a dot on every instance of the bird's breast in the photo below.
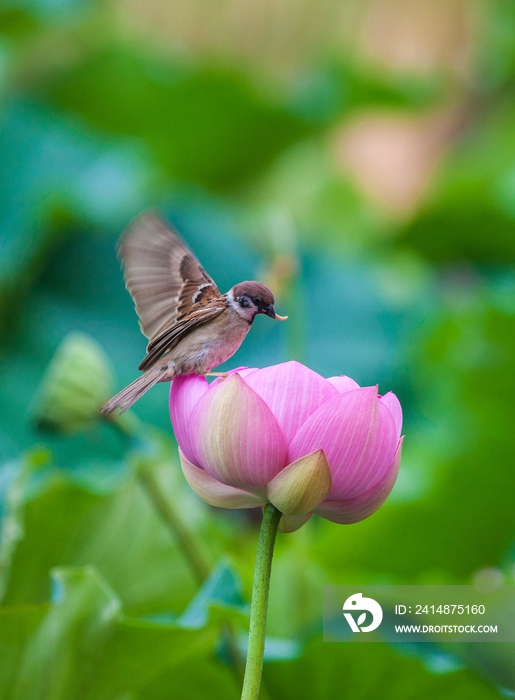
(211, 344)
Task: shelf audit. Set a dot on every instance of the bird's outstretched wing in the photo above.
(171, 290)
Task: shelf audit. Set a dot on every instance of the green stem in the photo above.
(259, 604)
(129, 425)
(184, 538)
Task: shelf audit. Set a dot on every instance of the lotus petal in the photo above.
(302, 485)
(358, 435)
(292, 392)
(242, 371)
(360, 507)
(235, 436)
(213, 492)
(290, 523)
(394, 406)
(343, 383)
(185, 392)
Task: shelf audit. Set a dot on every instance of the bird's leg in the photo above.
(223, 375)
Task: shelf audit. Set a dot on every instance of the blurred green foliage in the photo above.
(261, 167)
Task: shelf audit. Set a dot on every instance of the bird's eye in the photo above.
(257, 301)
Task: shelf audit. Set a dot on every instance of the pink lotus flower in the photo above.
(286, 435)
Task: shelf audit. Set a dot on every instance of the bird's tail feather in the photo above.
(126, 397)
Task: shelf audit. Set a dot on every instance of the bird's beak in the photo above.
(270, 311)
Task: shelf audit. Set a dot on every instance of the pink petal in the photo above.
(185, 392)
(394, 406)
(235, 436)
(292, 392)
(242, 371)
(358, 435)
(343, 383)
(360, 507)
(213, 492)
(245, 371)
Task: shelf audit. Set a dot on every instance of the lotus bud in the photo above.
(77, 382)
(287, 436)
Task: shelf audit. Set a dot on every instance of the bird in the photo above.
(191, 327)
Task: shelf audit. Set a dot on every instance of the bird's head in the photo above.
(251, 298)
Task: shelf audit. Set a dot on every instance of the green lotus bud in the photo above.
(77, 382)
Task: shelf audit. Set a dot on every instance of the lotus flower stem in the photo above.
(183, 536)
(129, 425)
(259, 604)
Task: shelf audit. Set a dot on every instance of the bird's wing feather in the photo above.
(164, 278)
(170, 337)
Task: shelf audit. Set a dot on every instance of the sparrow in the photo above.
(191, 327)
